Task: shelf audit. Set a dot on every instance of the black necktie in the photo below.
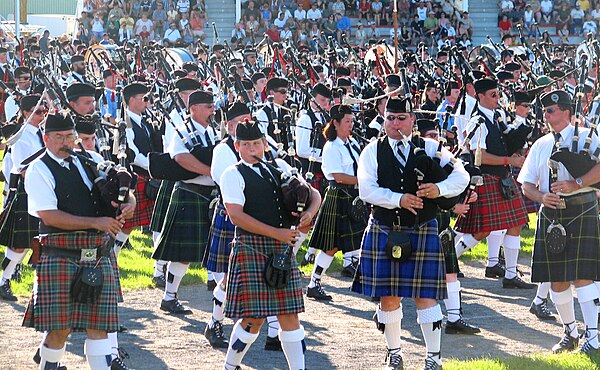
(354, 163)
(209, 143)
(264, 173)
(40, 136)
(72, 166)
(557, 138)
(402, 157)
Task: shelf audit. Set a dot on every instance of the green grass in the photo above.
(533, 362)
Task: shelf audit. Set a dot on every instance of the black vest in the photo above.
(229, 141)
(390, 177)
(264, 201)
(319, 140)
(142, 141)
(72, 194)
(495, 145)
(283, 135)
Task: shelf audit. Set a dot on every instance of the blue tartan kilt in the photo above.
(220, 236)
(161, 204)
(422, 276)
(184, 234)
(247, 293)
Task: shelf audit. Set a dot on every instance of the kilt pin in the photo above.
(143, 208)
(248, 296)
(51, 306)
(220, 236)
(421, 276)
(161, 205)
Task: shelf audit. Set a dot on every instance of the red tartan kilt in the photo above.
(143, 210)
(491, 211)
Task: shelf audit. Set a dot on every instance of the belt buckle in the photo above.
(88, 255)
(561, 204)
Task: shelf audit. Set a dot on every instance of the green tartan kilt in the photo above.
(18, 228)
(184, 233)
(161, 204)
(334, 228)
(247, 293)
(581, 258)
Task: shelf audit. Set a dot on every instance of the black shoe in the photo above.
(541, 310)
(215, 335)
(461, 327)
(122, 329)
(516, 283)
(273, 344)
(318, 293)
(211, 285)
(566, 344)
(496, 271)
(587, 349)
(308, 259)
(174, 307)
(395, 361)
(6, 293)
(118, 364)
(37, 359)
(349, 271)
(430, 364)
(159, 281)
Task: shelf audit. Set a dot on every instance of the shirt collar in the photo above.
(394, 142)
(135, 117)
(565, 132)
(60, 161)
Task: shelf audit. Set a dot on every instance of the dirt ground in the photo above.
(339, 334)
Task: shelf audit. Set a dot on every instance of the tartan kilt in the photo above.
(220, 236)
(318, 182)
(422, 276)
(18, 227)
(51, 307)
(333, 227)
(115, 266)
(161, 204)
(491, 211)
(581, 258)
(143, 208)
(247, 293)
(184, 233)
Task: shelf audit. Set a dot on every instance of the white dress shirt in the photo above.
(337, 159)
(489, 114)
(11, 107)
(140, 159)
(304, 128)
(223, 157)
(28, 144)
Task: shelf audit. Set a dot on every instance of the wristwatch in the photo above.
(579, 182)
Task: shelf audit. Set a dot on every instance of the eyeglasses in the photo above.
(59, 138)
(550, 110)
(432, 135)
(41, 111)
(398, 118)
(281, 91)
(25, 78)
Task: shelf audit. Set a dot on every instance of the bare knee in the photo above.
(424, 303)
(96, 334)
(450, 278)
(56, 338)
(560, 286)
(390, 303)
(252, 325)
(288, 322)
(481, 236)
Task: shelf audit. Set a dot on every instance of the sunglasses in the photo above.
(398, 118)
(25, 78)
(550, 110)
(431, 135)
(41, 111)
(281, 91)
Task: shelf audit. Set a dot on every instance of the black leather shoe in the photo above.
(587, 349)
(6, 293)
(273, 344)
(395, 361)
(318, 293)
(308, 259)
(118, 364)
(496, 271)
(349, 271)
(566, 344)
(461, 327)
(215, 335)
(18, 273)
(174, 307)
(122, 329)
(159, 281)
(430, 364)
(516, 283)
(37, 359)
(541, 311)
(211, 285)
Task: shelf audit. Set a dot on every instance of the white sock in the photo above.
(50, 356)
(299, 241)
(218, 276)
(310, 251)
(13, 258)
(155, 236)
(564, 305)
(494, 241)
(586, 296)
(175, 273)
(159, 267)
(453, 301)
(542, 292)
(467, 242)
(97, 352)
(597, 283)
(273, 324)
(218, 313)
(293, 345)
(322, 263)
(392, 321)
(114, 344)
(350, 257)
(120, 240)
(430, 320)
(209, 275)
(239, 343)
(512, 244)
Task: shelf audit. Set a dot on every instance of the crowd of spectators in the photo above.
(576, 17)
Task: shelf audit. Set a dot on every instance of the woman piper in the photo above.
(334, 228)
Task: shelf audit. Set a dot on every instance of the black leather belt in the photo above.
(195, 188)
(579, 199)
(140, 171)
(335, 185)
(91, 254)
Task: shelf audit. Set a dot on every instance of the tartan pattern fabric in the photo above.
(247, 293)
(51, 306)
(115, 266)
(220, 236)
(333, 227)
(144, 206)
(581, 258)
(75, 240)
(18, 228)
(450, 260)
(161, 204)
(491, 211)
(422, 276)
(184, 233)
(317, 182)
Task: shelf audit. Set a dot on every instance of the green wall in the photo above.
(40, 7)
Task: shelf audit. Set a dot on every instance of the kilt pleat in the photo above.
(247, 293)
(491, 211)
(333, 227)
(144, 206)
(161, 204)
(184, 234)
(581, 258)
(422, 276)
(18, 227)
(220, 236)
